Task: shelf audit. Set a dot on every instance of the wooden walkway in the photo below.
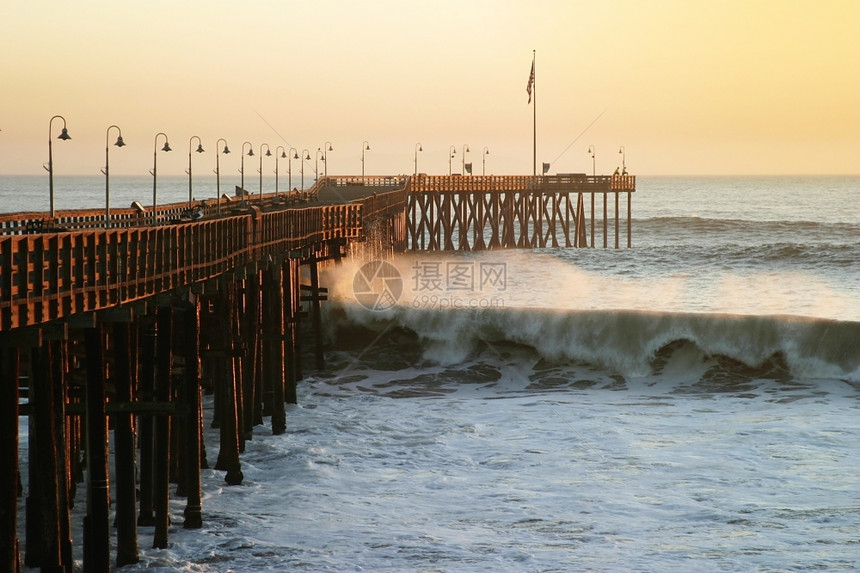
(120, 323)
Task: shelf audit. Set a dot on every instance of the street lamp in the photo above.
(306, 156)
(218, 170)
(155, 174)
(465, 151)
(623, 160)
(199, 150)
(283, 155)
(242, 164)
(417, 149)
(106, 170)
(326, 148)
(365, 146)
(317, 155)
(64, 135)
(484, 160)
(294, 154)
(593, 164)
(268, 154)
(452, 151)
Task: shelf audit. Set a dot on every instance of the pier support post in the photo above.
(248, 367)
(289, 310)
(225, 376)
(163, 392)
(273, 325)
(148, 333)
(605, 222)
(592, 219)
(297, 315)
(124, 455)
(617, 221)
(193, 507)
(9, 374)
(629, 219)
(48, 539)
(316, 312)
(97, 521)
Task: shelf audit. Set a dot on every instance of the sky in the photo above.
(685, 87)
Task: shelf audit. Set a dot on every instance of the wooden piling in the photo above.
(255, 401)
(148, 332)
(47, 504)
(163, 393)
(193, 508)
(225, 376)
(273, 325)
(316, 312)
(96, 522)
(124, 454)
(295, 318)
(248, 367)
(289, 313)
(9, 374)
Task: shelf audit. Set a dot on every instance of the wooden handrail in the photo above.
(52, 275)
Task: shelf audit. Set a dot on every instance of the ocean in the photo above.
(689, 404)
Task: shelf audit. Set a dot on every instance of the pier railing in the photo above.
(505, 183)
(52, 275)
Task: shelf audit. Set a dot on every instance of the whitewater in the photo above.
(689, 404)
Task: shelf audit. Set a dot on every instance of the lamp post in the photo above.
(417, 149)
(593, 164)
(484, 160)
(218, 170)
(326, 148)
(199, 150)
(306, 156)
(106, 170)
(268, 154)
(294, 154)
(64, 135)
(155, 174)
(283, 155)
(623, 160)
(365, 146)
(465, 151)
(242, 164)
(452, 151)
(317, 155)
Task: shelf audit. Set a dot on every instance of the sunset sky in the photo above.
(686, 86)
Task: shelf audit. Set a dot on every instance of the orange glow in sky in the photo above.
(687, 87)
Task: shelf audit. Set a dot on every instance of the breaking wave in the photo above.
(632, 343)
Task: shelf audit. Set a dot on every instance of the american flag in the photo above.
(531, 81)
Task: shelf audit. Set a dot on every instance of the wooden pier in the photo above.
(121, 323)
(503, 212)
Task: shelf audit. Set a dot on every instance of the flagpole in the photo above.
(534, 119)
